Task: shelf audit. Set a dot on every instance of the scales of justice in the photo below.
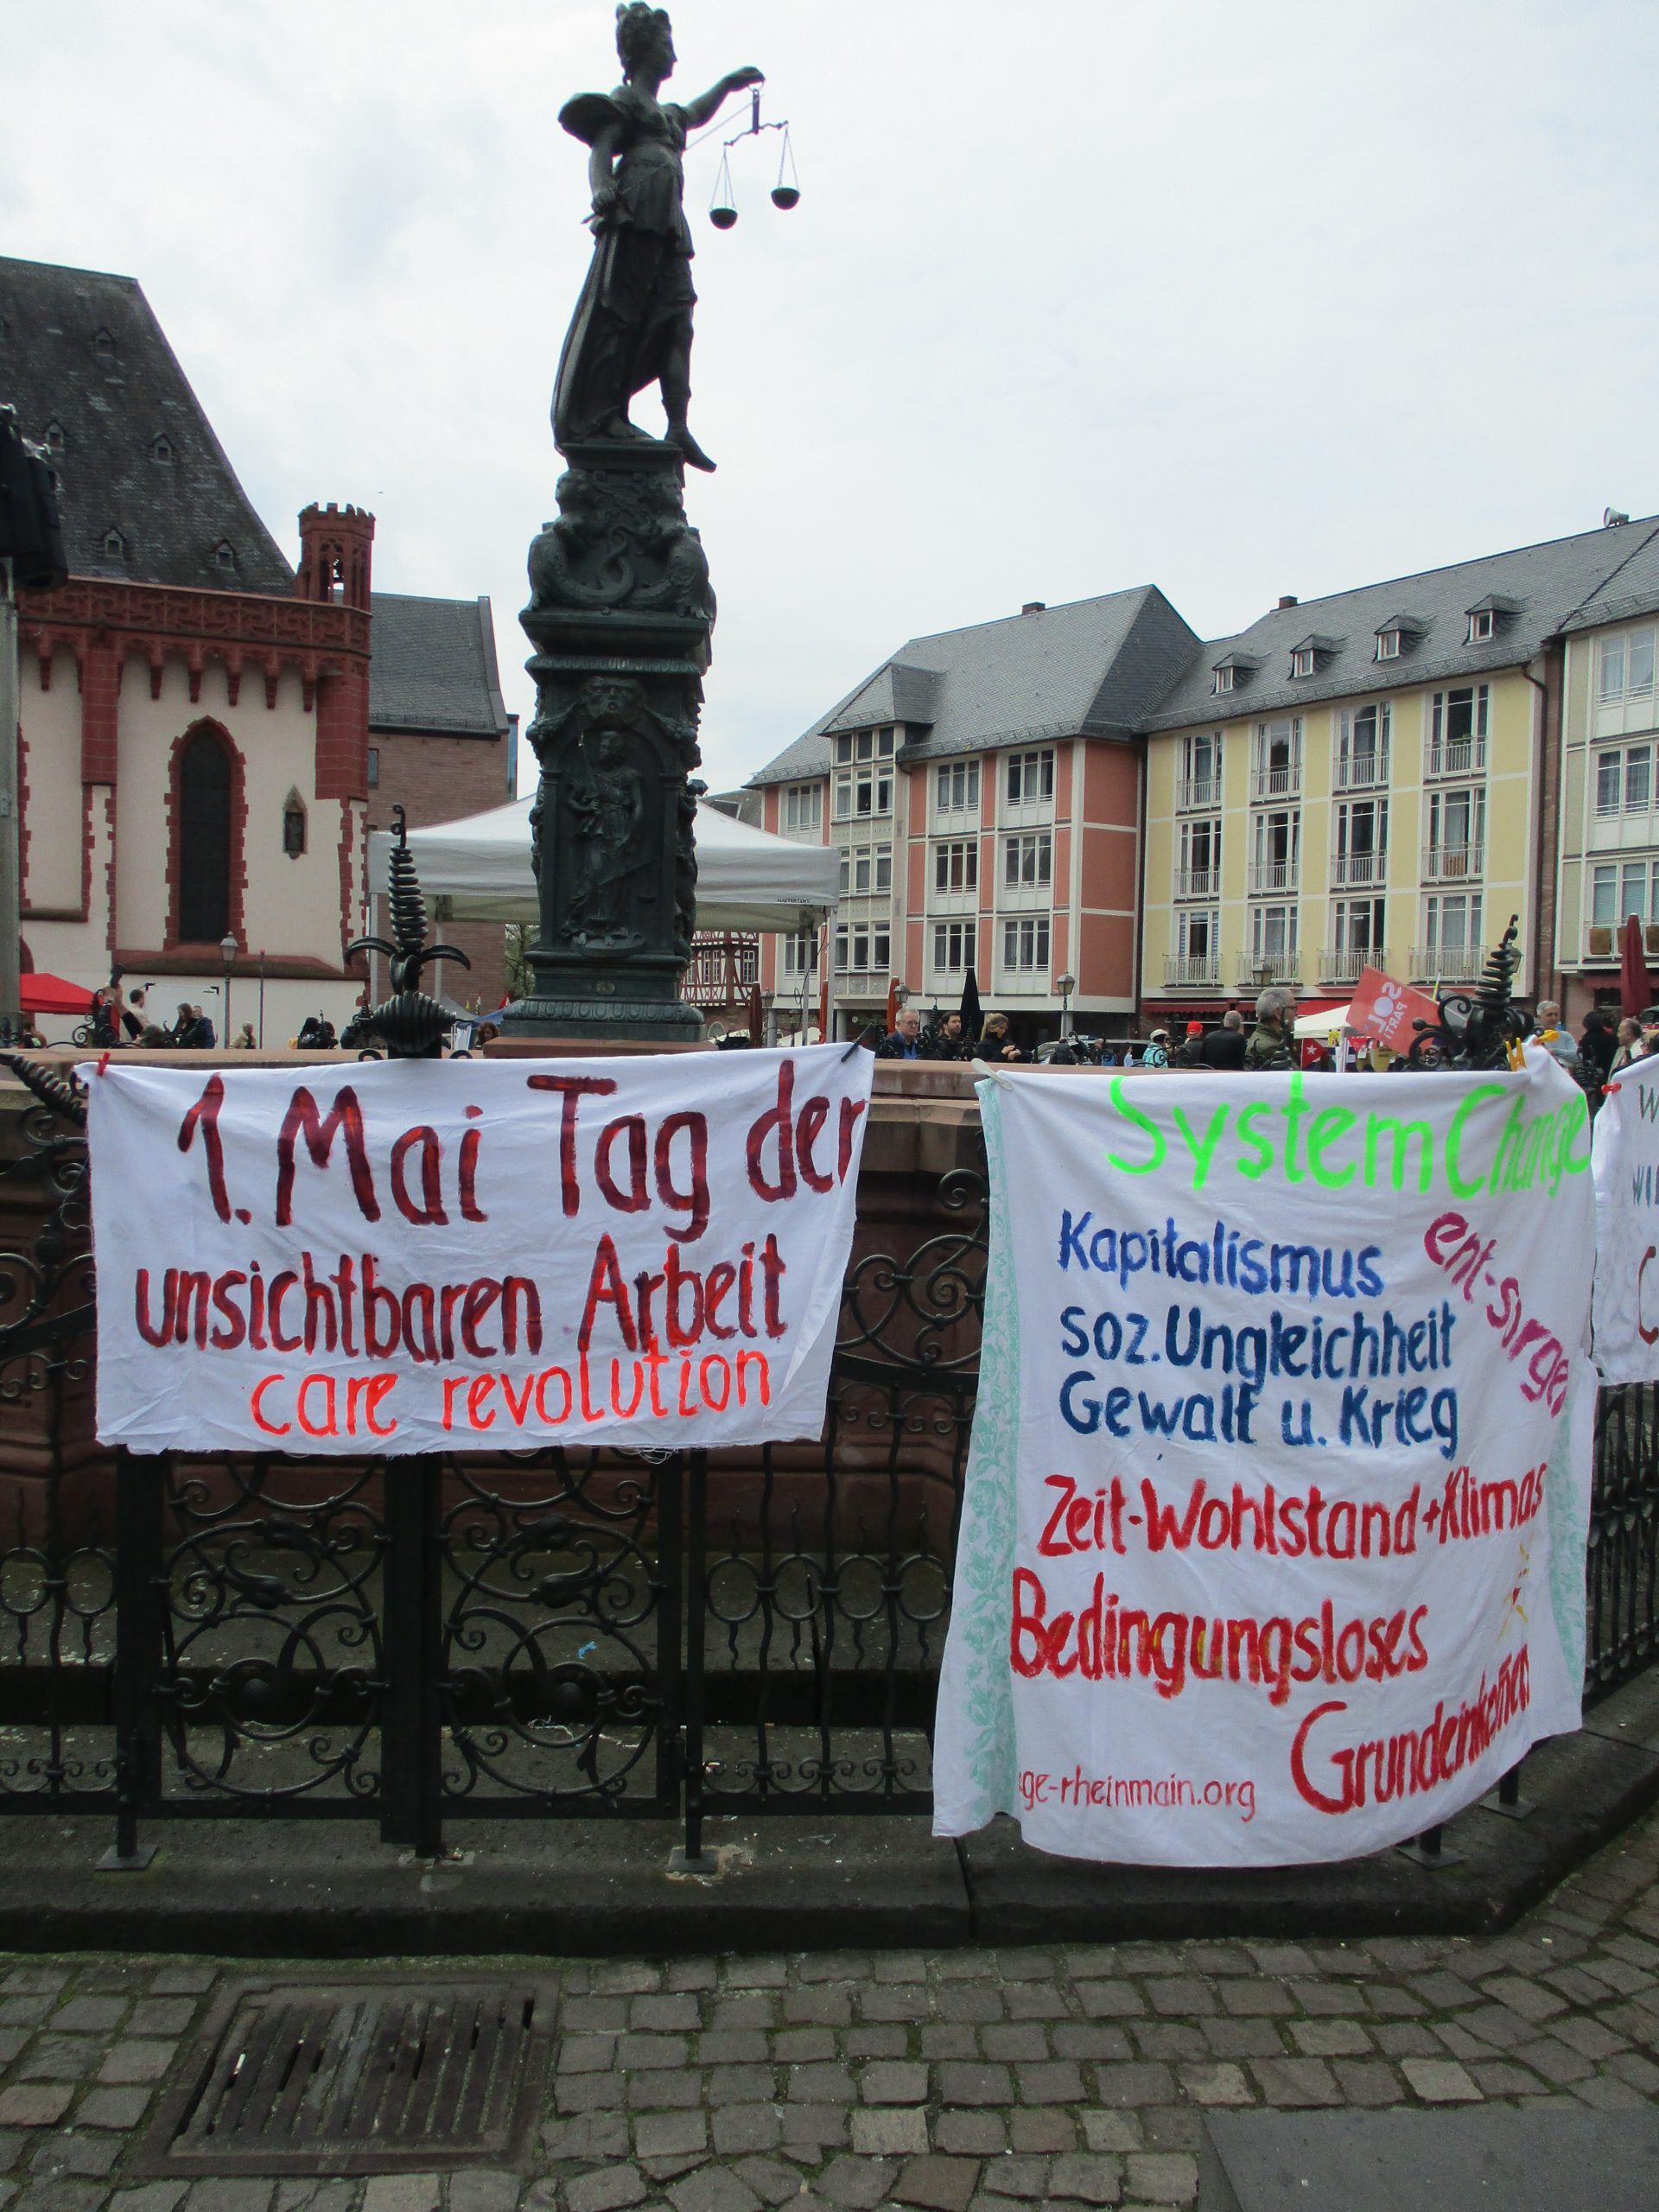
(621, 611)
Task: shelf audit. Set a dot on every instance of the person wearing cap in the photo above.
(1157, 1053)
(1192, 1053)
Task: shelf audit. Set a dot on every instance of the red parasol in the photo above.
(893, 989)
(1635, 990)
(44, 994)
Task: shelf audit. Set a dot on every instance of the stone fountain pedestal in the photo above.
(620, 617)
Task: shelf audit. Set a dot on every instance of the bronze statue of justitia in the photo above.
(633, 324)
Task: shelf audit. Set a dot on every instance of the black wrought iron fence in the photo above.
(560, 1633)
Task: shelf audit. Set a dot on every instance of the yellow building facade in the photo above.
(1361, 781)
(1389, 827)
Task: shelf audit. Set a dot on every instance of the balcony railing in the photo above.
(1274, 875)
(1197, 791)
(1456, 963)
(1453, 863)
(1457, 756)
(1349, 868)
(1183, 969)
(1276, 783)
(1264, 968)
(1363, 771)
(1341, 963)
(1198, 882)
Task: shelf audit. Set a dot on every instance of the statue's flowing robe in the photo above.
(636, 306)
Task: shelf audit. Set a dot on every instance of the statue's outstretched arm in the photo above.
(707, 105)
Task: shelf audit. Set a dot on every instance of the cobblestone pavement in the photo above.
(971, 2081)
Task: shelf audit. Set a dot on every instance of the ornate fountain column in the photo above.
(620, 612)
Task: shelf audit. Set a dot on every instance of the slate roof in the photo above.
(433, 667)
(1631, 589)
(1536, 589)
(112, 401)
(1093, 668)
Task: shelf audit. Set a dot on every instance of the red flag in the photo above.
(1387, 1011)
(1635, 990)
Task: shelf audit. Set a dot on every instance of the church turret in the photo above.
(336, 552)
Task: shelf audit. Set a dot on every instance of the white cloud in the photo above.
(1235, 300)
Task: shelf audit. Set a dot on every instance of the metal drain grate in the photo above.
(357, 2079)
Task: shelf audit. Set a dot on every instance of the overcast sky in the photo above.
(1238, 299)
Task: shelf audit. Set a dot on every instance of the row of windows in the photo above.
(864, 745)
(1025, 945)
(1621, 887)
(1457, 837)
(1451, 924)
(868, 950)
(1028, 864)
(1361, 751)
(862, 782)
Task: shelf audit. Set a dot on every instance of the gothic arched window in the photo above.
(204, 803)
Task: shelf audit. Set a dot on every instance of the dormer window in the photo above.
(1301, 661)
(103, 345)
(225, 555)
(1224, 679)
(1489, 618)
(1388, 644)
(55, 438)
(161, 447)
(115, 546)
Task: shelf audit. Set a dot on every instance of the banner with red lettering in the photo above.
(1626, 1311)
(1273, 1540)
(422, 1255)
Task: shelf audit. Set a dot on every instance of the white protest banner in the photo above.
(1626, 1154)
(420, 1255)
(1273, 1541)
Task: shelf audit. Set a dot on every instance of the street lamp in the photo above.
(1065, 985)
(228, 949)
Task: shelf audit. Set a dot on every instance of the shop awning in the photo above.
(44, 994)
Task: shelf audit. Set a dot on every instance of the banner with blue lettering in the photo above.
(1626, 1159)
(1273, 1541)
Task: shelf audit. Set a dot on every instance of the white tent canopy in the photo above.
(746, 879)
(1324, 1024)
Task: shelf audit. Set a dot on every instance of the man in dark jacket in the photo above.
(1269, 1047)
(1225, 1047)
(947, 1041)
(903, 1042)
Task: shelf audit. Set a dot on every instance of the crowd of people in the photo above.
(1605, 1046)
(113, 1023)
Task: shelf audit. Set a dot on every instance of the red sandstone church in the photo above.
(207, 736)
